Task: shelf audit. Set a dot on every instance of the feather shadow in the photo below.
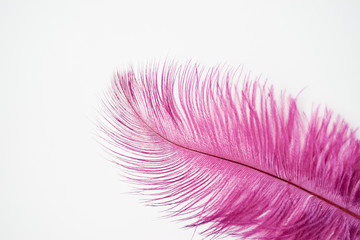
(223, 152)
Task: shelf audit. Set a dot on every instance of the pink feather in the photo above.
(233, 157)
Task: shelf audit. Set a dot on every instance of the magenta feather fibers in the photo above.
(225, 153)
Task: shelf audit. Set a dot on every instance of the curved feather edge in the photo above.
(226, 153)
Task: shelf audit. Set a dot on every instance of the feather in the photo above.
(223, 152)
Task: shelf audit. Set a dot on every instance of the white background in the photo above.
(57, 57)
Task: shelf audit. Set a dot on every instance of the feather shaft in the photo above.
(250, 167)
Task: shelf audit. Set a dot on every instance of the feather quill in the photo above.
(231, 156)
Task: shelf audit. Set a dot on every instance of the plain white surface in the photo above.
(56, 58)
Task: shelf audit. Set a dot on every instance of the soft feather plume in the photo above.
(227, 154)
